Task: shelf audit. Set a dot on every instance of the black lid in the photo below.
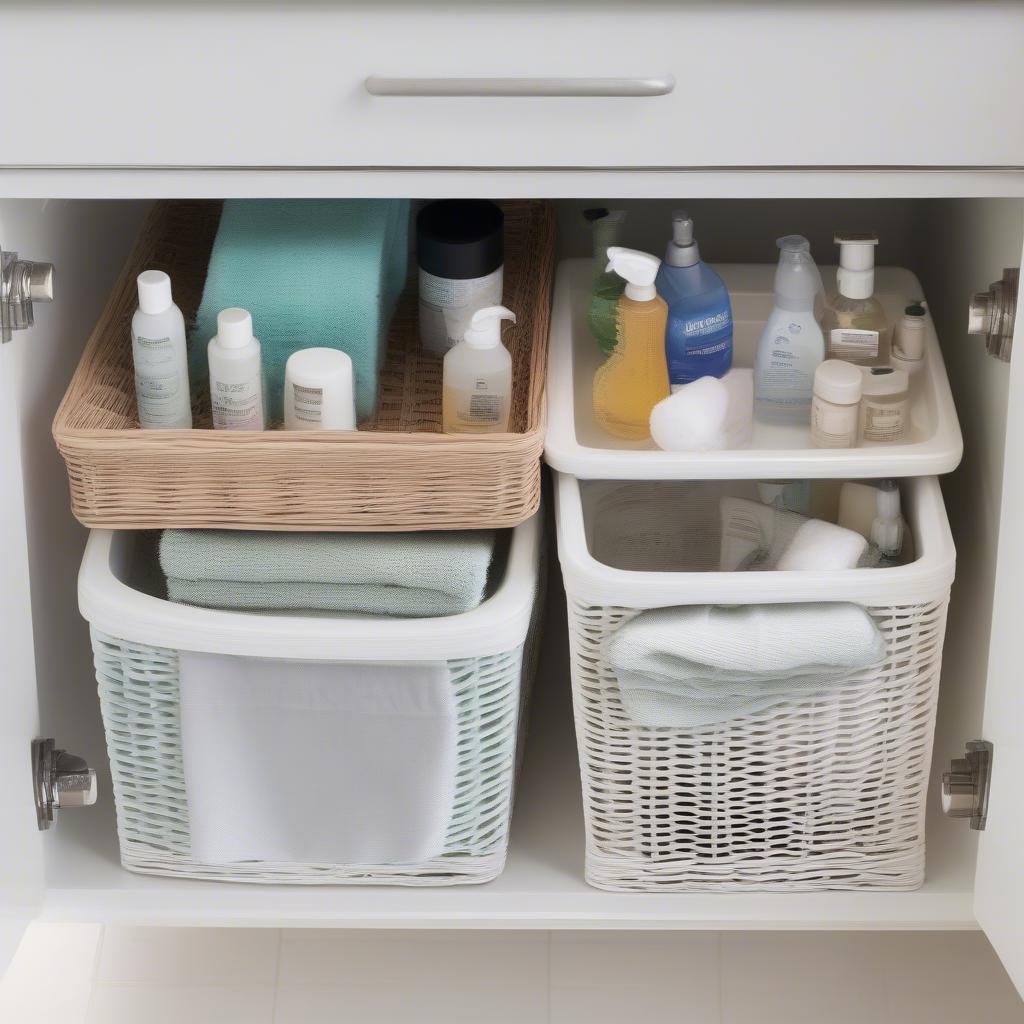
(595, 213)
(460, 238)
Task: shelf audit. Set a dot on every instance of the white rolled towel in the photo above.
(698, 666)
(819, 545)
(709, 414)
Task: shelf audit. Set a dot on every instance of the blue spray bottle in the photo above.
(698, 338)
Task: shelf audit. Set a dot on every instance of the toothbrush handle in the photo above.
(657, 85)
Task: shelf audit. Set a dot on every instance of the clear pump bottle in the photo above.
(477, 396)
(634, 379)
(856, 327)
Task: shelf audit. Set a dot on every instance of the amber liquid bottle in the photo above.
(635, 377)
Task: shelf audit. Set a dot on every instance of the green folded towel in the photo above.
(312, 272)
(413, 575)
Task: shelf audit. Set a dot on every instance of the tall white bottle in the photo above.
(791, 344)
(160, 357)
(236, 374)
(477, 394)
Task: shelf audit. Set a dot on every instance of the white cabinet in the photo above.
(826, 84)
(236, 101)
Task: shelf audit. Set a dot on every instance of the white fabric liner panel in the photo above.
(139, 698)
(317, 762)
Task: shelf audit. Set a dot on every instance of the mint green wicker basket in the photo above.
(139, 699)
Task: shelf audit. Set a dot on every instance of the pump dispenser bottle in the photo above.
(606, 226)
(856, 326)
(791, 345)
(478, 377)
(698, 340)
(635, 377)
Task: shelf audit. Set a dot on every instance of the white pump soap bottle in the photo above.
(478, 377)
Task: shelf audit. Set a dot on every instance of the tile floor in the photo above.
(84, 974)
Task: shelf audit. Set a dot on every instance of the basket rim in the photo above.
(64, 434)
(927, 578)
(499, 623)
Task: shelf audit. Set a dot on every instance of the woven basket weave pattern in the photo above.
(398, 472)
(823, 794)
(138, 687)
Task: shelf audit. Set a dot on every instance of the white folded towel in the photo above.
(709, 414)
(698, 666)
(306, 762)
(818, 545)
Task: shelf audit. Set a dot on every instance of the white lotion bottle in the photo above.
(160, 357)
(236, 377)
(792, 344)
(318, 391)
(477, 393)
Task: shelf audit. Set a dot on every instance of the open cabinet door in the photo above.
(44, 654)
(21, 854)
(999, 883)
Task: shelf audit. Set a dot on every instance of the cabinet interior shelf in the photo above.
(542, 886)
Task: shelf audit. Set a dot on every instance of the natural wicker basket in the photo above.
(398, 472)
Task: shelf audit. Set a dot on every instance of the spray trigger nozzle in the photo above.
(637, 269)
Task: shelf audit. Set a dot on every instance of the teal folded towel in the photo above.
(413, 575)
(312, 272)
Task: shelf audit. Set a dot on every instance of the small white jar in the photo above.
(884, 405)
(318, 393)
(835, 405)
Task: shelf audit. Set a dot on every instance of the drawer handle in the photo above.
(659, 85)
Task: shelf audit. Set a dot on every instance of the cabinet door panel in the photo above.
(286, 85)
(999, 883)
(21, 862)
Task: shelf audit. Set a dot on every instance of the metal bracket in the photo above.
(965, 785)
(60, 780)
(22, 283)
(992, 314)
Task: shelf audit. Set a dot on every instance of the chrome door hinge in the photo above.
(22, 283)
(992, 314)
(60, 780)
(965, 785)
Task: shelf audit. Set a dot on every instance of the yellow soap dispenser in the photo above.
(635, 377)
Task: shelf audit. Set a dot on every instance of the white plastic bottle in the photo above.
(236, 377)
(478, 377)
(791, 345)
(318, 392)
(160, 357)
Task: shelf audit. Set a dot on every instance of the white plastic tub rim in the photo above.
(925, 579)
(498, 624)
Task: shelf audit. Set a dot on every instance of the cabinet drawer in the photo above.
(798, 85)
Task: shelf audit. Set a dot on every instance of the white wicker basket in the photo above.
(827, 793)
(490, 654)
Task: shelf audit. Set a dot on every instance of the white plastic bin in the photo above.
(203, 796)
(826, 792)
(576, 444)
